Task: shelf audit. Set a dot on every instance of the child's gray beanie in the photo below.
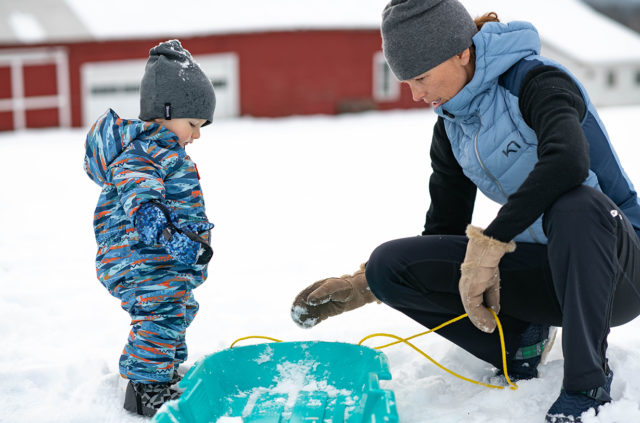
(174, 86)
(418, 35)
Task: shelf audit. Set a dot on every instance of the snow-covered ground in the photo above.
(294, 200)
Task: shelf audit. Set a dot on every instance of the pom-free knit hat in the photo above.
(418, 35)
(174, 86)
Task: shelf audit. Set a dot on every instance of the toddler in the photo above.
(150, 223)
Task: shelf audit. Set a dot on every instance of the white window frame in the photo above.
(386, 86)
(18, 104)
(131, 72)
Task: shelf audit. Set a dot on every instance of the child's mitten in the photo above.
(186, 247)
(155, 225)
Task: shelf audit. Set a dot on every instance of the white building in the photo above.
(603, 54)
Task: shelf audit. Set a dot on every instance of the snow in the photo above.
(26, 27)
(219, 17)
(291, 380)
(568, 25)
(294, 200)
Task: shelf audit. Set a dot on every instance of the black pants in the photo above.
(586, 279)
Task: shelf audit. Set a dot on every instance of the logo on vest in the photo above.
(512, 147)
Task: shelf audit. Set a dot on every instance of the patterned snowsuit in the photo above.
(135, 162)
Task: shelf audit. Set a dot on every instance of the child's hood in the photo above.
(111, 135)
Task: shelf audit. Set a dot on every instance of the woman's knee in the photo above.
(380, 269)
(574, 207)
(575, 199)
(417, 263)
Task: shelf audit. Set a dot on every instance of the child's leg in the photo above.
(158, 317)
(181, 347)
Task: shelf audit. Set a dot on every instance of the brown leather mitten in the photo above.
(330, 297)
(480, 279)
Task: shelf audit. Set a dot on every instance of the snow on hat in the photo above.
(418, 35)
(174, 86)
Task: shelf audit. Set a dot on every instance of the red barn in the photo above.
(63, 62)
(71, 79)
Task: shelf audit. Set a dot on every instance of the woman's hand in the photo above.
(330, 297)
(480, 280)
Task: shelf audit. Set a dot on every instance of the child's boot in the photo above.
(146, 398)
(177, 377)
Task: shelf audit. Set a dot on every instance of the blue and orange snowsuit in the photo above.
(135, 162)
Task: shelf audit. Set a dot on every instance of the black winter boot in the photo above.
(535, 343)
(176, 378)
(569, 406)
(146, 398)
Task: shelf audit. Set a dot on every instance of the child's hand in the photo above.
(154, 223)
(187, 247)
(150, 221)
(196, 227)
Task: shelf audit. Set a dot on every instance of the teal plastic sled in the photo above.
(285, 382)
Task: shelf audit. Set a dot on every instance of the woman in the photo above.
(562, 251)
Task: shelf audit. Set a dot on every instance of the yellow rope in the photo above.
(462, 316)
(406, 341)
(254, 336)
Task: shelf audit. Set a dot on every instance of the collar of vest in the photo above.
(498, 47)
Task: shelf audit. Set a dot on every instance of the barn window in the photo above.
(638, 77)
(219, 83)
(611, 78)
(34, 91)
(112, 89)
(385, 85)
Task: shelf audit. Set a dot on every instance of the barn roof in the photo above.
(37, 21)
(569, 26)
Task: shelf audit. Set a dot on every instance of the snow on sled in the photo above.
(285, 382)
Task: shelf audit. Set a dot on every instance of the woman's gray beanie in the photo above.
(418, 35)
(174, 86)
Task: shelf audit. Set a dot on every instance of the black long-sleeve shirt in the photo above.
(552, 105)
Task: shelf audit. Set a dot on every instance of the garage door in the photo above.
(116, 85)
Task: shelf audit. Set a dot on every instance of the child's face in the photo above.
(187, 129)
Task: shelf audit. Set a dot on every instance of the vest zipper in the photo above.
(493, 178)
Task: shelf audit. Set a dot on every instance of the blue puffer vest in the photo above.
(490, 139)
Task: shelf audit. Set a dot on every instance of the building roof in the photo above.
(196, 17)
(569, 26)
(37, 21)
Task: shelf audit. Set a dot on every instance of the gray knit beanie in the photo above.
(174, 86)
(418, 35)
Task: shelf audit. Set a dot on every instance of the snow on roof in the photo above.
(36, 21)
(569, 26)
(113, 18)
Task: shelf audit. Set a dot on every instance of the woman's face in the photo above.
(442, 83)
